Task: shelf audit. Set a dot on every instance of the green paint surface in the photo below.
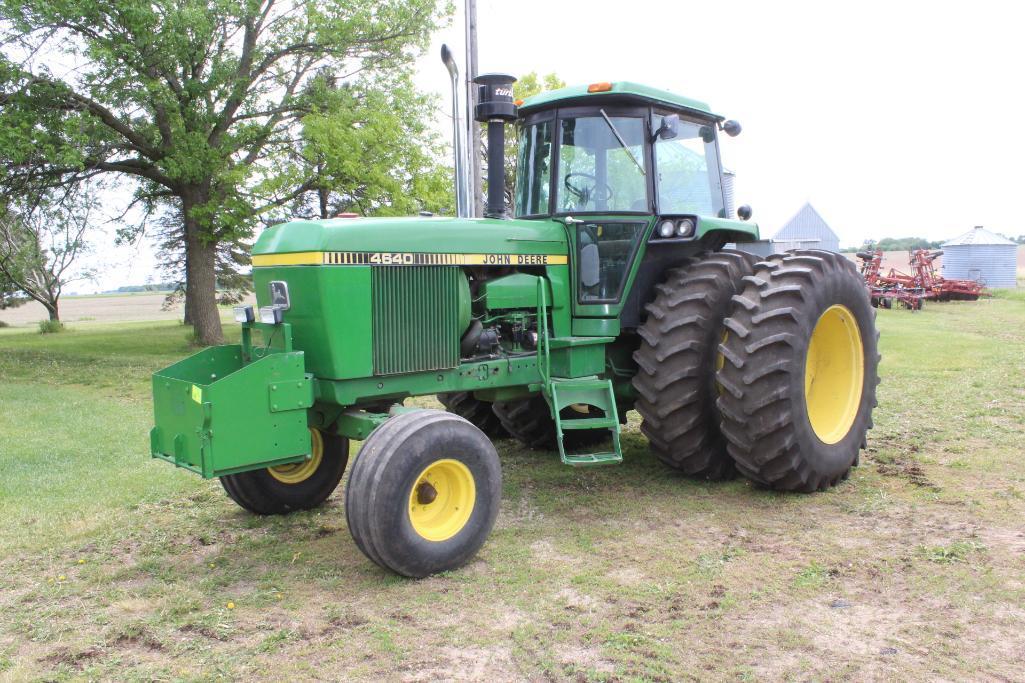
(575, 93)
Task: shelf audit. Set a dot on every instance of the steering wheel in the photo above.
(584, 193)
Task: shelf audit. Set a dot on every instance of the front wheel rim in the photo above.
(441, 500)
(834, 374)
(298, 472)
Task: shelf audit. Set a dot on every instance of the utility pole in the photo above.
(473, 128)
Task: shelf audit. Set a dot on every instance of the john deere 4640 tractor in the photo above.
(609, 290)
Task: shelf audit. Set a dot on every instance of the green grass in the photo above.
(116, 566)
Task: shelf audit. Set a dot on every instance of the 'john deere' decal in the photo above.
(398, 258)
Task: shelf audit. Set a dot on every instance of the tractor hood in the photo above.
(357, 240)
(355, 316)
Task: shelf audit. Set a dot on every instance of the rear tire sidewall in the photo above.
(834, 459)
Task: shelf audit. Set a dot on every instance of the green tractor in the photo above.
(608, 290)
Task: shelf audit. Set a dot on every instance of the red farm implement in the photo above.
(923, 282)
(884, 290)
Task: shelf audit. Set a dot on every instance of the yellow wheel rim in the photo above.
(720, 360)
(834, 374)
(442, 499)
(297, 472)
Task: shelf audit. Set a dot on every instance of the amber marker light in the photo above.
(599, 87)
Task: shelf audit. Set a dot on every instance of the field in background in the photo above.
(119, 567)
(101, 308)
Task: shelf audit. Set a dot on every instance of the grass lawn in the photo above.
(115, 566)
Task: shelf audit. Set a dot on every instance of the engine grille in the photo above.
(416, 318)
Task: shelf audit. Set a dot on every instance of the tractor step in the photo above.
(592, 459)
(594, 393)
(590, 423)
(562, 392)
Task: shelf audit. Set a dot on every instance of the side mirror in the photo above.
(731, 128)
(670, 127)
(744, 212)
(590, 274)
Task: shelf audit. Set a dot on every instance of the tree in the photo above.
(203, 105)
(41, 239)
(10, 294)
(897, 244)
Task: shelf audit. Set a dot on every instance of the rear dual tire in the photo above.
(799, 371)
(476, 412)
(675, 380)
(529, 421)
(767, 367)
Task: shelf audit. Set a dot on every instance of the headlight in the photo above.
(666, 228)
(243, 314)
(685, 228)
(271, 315)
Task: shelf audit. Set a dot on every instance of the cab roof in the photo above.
(619, 90)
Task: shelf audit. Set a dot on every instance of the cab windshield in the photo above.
(601, 166)
(687, 171)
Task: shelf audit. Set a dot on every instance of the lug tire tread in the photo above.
(762, 405)
(477, 412)
(676, 362)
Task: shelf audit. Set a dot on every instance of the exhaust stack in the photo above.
(495, 106)
(462, 177)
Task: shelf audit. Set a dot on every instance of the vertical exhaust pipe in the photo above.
(462, 178)
(495, 106)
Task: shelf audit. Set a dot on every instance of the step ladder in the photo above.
(563, 392)
(594, 393)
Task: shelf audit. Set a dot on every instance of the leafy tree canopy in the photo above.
(898, 244)
(223, 112)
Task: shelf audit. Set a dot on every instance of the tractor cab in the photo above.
(624, 167)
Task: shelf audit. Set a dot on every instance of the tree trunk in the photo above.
(323, 195)
(188, 317)
(52, 310)
(200, 276)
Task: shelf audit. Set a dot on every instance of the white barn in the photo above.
(806, 230)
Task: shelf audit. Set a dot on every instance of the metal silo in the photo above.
(981, 255)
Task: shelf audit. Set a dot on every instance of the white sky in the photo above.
(892, 118)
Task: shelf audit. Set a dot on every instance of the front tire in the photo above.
(298, 486)
(424, 493)
(799, 371)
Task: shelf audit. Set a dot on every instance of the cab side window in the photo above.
(605, 253)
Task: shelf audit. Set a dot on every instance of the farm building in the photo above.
(981, 255)
(806, 230)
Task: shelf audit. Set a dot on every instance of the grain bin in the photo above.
(981, 255)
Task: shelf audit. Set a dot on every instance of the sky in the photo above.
(892, 118)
